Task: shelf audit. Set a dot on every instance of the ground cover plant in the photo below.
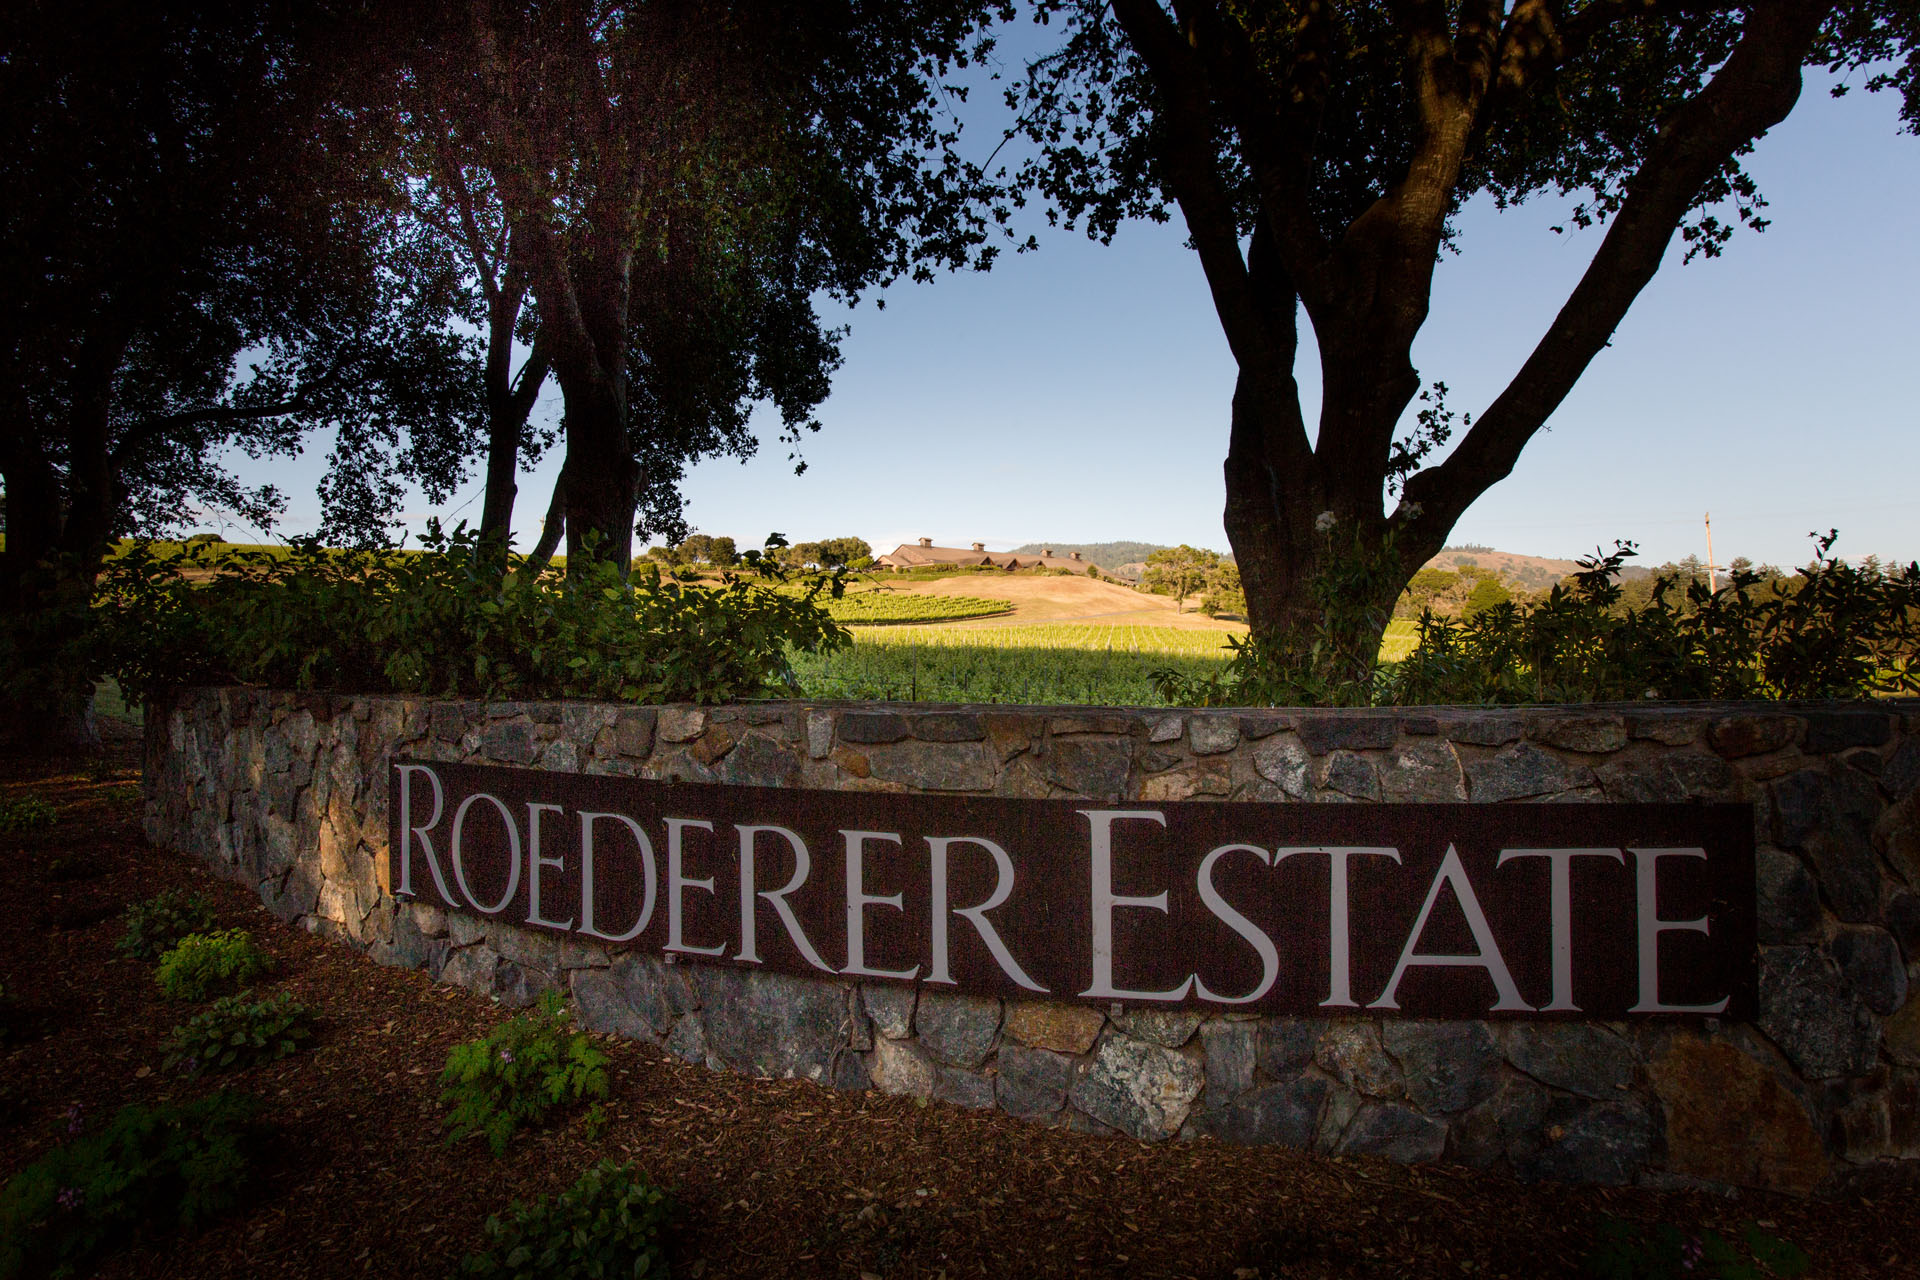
(149, 1168)
(520, 1071)
(769, 1177)
(201, 964)
(156, 925)
(26, 813)
(238, 1032)
(607, 1224)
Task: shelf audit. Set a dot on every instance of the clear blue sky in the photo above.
(1080, 393)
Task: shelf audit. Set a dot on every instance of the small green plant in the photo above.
(149, 1169)
(237, 1032)
(517, 1072)
(607, 1224)
(157, 925)
(202, 963)
(27, 813)
(1661, 1251)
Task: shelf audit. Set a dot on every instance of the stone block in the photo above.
(819, 734)
(1285, 1044)
(1589, 734)
(1903, 922)
(970, 1089)
(902, 1068)
(473, 968)
(1165, 728)
(1592, 1143)
(1359, 731)
(1069, 726)
(1032, 1083)
(517, 986)
(1284, 762)
(1144, 1090)
(1091, 767)
(1789, 901)
(1730, 1119)
(1736, 737)
(508, 742)
(958, 1031)
(1169, 1027)
(932, 766)
(1870, 961)
(948, 726)
(770, 1024)
(1063, 1028)
(1232, 1050)
(1263, 725)
(1578, 1057)
(1351, 1053)
(1830, 731)
(1212, 735)
(680, 724)
(1807, 1009)
(1419, 726)
(1423, 772)
(1446, 1066)
(1802, 805)
(1902, 1034)
(1286, 1113)
(873, 727)
(633, 732)
(1900, 774)
(1394, 1132)
(760, 761)
(1483, 730)
(891, 1009)
(1521, 772)
(1507, 1128)
(688, 1042)
(1353, 775)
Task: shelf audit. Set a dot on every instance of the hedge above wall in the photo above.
(288, 793)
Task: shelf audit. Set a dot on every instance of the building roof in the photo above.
(908, 556)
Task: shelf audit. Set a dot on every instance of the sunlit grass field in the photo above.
(1067, 663)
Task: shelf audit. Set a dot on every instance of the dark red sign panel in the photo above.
(1425, 910)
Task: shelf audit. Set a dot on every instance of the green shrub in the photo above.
(237, 1033)
(446, 622)
(1660, 1251)
(150, 1169)
(519, 1071)
(607, 1224)
(28, 813)
(203, 963)
(1837, 631)
(158, 924)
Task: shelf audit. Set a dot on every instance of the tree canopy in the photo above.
(1318, 155)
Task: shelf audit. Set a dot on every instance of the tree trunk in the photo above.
(550, 529)
(602, 478)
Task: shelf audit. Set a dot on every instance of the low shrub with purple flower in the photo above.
(147, 1170)
(519, 1071)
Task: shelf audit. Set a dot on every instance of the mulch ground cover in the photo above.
(770, 1178)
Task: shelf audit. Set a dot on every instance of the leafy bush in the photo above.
(202, 963)
(158, 924)
(28, 813)
(1631, 1251)
(607, 1224)
(519, 1071)
(149, 1169)
(237, 1033)
(1837, 631)
(447, 622)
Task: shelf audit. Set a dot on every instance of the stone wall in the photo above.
(287, 793)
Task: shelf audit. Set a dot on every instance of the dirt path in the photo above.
(771, 1178)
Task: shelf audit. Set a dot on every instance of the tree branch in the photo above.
(1753, 90)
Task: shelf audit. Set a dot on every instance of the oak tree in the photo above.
(1317, 152)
